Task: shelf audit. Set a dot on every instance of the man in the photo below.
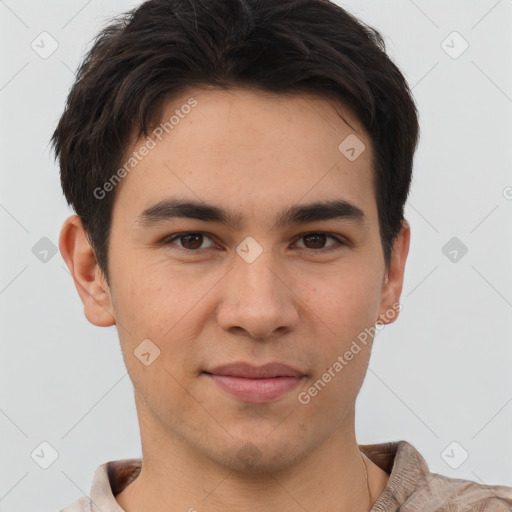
(239, 171)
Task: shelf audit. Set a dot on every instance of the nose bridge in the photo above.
(256, 299)
(257, 279)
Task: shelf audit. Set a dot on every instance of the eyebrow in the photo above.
(170, 208)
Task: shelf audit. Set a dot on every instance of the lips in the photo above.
(248, 371)
(257, 384)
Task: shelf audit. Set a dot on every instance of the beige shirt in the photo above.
(411, 486)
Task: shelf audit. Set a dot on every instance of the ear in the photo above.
(89, 280)
(394, 277)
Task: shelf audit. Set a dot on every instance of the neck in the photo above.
(332, 477)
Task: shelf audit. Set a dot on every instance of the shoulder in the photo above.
(81, 505)
(412, 487)
(453, 494)
(109, 480)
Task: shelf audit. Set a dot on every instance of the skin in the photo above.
(296, 303)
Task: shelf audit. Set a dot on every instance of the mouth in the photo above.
(256, 384)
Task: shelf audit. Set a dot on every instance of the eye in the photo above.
(317, 241)
(193, 241)
(189, 241)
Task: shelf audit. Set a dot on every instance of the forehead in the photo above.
(250, 147)
(307, 113)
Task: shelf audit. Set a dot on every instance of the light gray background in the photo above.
(440, 374)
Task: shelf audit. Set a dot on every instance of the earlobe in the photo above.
(89, 281)
(394, 278)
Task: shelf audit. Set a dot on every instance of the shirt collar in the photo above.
(398, 458)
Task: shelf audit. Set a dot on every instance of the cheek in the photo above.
(150, 307)
(344, 303)
(347, 318)
(152, 298)
(167, 306)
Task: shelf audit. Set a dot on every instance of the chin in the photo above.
(259, 454)
(262, 465)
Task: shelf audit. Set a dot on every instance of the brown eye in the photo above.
(188, 241)
(318, 241)
(192, 241)
(315, 241)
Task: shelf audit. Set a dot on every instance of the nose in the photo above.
(257, 299)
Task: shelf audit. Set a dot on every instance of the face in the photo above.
(265, 287)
